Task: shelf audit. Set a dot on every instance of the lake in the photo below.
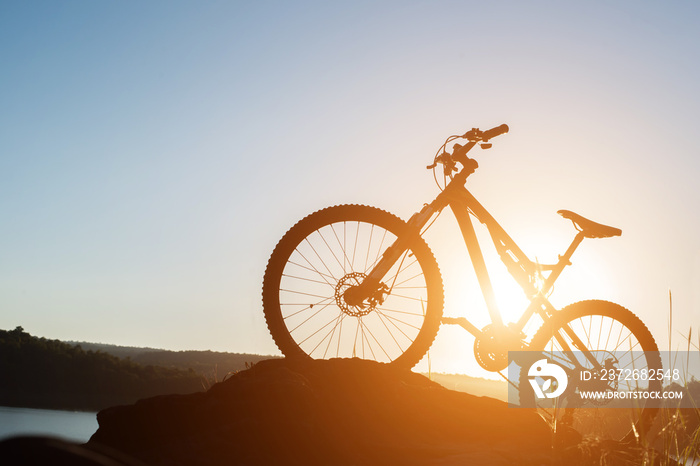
(75, 426)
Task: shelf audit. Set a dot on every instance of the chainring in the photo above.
(490, 353)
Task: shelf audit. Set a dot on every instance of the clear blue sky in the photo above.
(152, 153)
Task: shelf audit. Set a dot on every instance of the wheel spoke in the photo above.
(313, 334)
(312, 270)
(323, 275)
(305, 294)
(354, 249)
(342, 246)
(405, 297)
(309, 306)
(420, 274)
(375, 339)
(369, 247)
(329, 248)
(617, 344)
(319, 257)
(329, 334)
(384, 309)
(309, 318)
(379, 314)
(395, 319)
(607, 340)
(379, 249)
(307, 280)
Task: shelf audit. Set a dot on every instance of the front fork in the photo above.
(372, 284)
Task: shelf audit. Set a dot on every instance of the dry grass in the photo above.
(676, 432)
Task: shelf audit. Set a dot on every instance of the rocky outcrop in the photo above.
(335, 412)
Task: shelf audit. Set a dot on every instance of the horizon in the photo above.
(152, 156)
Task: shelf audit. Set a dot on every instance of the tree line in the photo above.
(41, 373)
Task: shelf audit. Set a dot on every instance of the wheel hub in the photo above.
(356, 297)
(347, 297)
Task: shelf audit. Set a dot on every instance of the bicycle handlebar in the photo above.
(477, 135)
(493, 132)
(459, 154)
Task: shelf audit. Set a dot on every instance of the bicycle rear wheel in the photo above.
(622, 346)
(331, 251)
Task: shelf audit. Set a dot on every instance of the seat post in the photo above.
(563, 262)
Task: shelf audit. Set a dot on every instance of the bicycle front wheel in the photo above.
(605, 349)
(331, 251)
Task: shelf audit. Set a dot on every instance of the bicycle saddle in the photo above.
(589, 228)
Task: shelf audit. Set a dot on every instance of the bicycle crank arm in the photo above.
(464, 323)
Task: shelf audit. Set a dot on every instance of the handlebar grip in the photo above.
(493, 132)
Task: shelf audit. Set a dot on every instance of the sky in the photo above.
(153, 153)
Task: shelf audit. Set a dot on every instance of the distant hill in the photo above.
(212, 365)
(122, 352)
(474, 385)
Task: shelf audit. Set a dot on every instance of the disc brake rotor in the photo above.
(344, 284)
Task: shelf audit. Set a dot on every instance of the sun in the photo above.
(510, 298)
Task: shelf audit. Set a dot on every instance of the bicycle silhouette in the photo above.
(356, 281)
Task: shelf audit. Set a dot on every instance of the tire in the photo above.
(597, 324)
(326, 253)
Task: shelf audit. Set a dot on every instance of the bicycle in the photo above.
(356, 281)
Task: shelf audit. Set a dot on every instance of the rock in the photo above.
(329, 412)
(37, 450)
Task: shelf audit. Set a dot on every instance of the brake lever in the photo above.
(445, 159)
(473, 135)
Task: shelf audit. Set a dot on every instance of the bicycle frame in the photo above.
(522, 269)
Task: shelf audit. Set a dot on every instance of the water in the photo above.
(74, 426)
